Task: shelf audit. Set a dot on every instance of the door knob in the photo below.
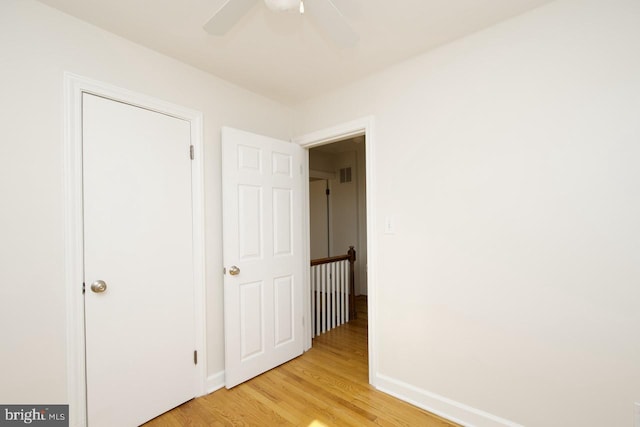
(98, 286)
(234, 271)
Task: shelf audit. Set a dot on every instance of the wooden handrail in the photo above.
(351, 257)
(329, 260)
(351, 253)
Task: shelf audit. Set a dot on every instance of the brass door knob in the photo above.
(99, 286)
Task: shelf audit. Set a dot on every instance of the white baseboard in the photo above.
(215, 382)
(432, 402)
(439, 405)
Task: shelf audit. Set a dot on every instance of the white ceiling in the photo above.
(284, 55)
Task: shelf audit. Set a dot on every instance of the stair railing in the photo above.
(332, 291)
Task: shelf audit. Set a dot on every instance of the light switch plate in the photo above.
(636, 414)
(389, 225)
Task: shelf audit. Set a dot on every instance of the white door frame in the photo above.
(362, 126)
(74, 87)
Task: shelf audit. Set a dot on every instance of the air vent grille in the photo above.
(345, 175)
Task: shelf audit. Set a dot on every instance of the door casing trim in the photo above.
(74, 86)
(357, 127)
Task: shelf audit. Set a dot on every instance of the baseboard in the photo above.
(215, 382)
(439, 405)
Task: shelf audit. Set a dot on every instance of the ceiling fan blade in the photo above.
(226, 17)
(332, 21)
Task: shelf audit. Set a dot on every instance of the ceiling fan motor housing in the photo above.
(282, 5)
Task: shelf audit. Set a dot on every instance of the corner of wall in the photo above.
(214, 382)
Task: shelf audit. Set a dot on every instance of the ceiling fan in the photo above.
(324, 12)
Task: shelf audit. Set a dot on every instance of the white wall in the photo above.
(509, 160)
(321, 161)
(318, 219)
(344, 206)
(348, 214)
(37, 44)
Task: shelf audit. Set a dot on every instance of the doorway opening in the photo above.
(337, 233)
(359, 127)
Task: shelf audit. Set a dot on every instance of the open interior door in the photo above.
(263, 254)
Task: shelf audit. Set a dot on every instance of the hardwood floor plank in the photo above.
(327, 386)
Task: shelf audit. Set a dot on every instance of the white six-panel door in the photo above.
(263, 254)
(140, 334)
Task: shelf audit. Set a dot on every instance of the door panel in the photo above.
(251, 308)
(250, 221)
(284, 294)
(262, 223)
(140, 332)
(282, 221)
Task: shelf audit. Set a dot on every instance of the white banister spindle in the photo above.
(327, 300)
(342, 287)
(313, 302)
(320, 299)
(343, 303)
(346, 292)
(332, 269)
(318, 308)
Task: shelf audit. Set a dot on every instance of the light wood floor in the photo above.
(326, 386)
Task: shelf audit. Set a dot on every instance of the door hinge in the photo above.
(195, 357)
(192, 152)
(327, 192)
(83, 286)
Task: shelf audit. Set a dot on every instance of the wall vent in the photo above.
(345, 175)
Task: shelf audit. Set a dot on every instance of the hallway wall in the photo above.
(347, 217)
